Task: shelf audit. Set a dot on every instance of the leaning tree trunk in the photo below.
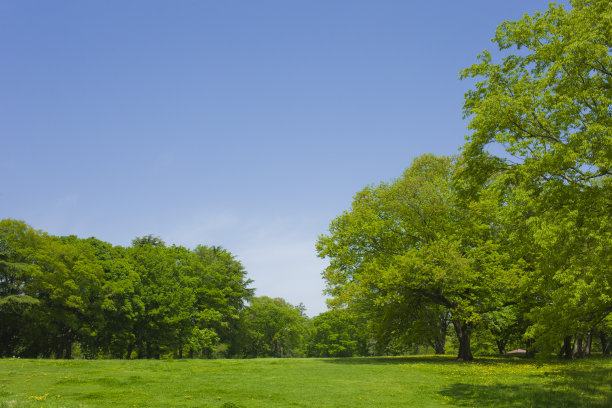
(586, 347)
(464, 332)
(577, 349)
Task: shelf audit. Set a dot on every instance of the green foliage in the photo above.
(415, 242)
(149, 300)
(548, 104)
(336, 333)
(273, 328)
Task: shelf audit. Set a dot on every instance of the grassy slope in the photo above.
(356, 382)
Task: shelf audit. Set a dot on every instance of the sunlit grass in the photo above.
(356, 382)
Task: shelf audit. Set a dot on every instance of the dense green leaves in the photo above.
(337, 333)
(273, 328)
(548, 103)
(148, 300)
(415, 242)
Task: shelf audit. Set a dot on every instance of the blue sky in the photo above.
(245, 124)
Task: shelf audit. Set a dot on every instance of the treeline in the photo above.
(68, 297)
(144, 301)
(65, 297)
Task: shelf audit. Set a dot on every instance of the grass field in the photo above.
(355, 382)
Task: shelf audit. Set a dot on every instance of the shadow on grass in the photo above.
(572, 387)
(575, 389)
(567, 384)
(390, 360)
(447, 359)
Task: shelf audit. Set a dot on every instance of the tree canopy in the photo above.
(414, 241)
(547, 103)
(146, 300)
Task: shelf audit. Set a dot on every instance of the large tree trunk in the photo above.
(68, 354)
(439, 342)
(577, 349)
(70, 338)
(59, 350)
(605, 344)
(501, 346)
(586, 347)
(141, 351)
(464, 332)
(566, 349)
(439, 346)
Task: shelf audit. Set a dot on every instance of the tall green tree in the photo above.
(413, 241)
(221, 289)
(122, 305)
(167, 296)
(547, 103)
(69, 286)
(16, 272)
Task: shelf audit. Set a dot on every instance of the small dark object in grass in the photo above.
(230, 405)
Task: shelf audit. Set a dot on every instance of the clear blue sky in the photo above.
(245, 124)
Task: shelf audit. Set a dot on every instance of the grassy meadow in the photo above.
(353, 382)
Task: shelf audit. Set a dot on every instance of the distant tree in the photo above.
(274, 328)
(221, 289)
(69, 285)
(167, 296)
(148, 240)
(148, 300)
(333, 335)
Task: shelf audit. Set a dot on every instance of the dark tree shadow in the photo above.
(446, 359)
(391, 360)
(573, 386)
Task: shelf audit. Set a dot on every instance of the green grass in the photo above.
(355, 382)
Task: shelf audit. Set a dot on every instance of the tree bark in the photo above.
(464, 333)
(59, 350)
(68, 353)
(586, 347)
(566, 349)
(605, 345)
(439, 346)
(577, 349)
